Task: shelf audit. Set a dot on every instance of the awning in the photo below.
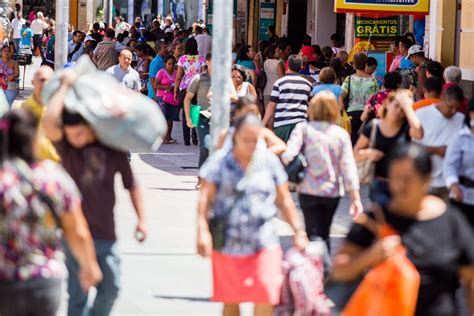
(383, 6)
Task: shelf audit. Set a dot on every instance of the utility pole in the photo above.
(221, 68)
(108, 6)
(62, 29)
(130, 8)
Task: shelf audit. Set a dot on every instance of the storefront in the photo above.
(373, 25)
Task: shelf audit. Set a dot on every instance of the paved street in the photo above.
(164, 276)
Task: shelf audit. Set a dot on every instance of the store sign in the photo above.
(267, 18)
(400, 6)
(377, 28)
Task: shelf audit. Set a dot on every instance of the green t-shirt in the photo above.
(360, 91)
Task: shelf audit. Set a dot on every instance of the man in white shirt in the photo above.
(337, 44)
(38, 26)
(75, 47)
(124, 73)
(17, 25)
(204, 41)
(441, 123)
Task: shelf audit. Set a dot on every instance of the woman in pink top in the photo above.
(164, 85)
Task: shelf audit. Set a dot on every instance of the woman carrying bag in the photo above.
(397, 124)
(436, 239)
(243, 189)
(328, 152)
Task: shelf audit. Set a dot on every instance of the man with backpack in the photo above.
(75, 47)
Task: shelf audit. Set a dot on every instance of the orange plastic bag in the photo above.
(389, 289)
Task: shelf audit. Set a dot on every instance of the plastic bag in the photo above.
(389, 289)
(302, 292)
(345, 121)
(121, 118)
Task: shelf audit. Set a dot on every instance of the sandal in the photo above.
(170, 141)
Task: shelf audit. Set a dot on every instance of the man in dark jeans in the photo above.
(199, 89)
(38, 26)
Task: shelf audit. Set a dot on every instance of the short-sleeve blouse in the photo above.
(246, 198)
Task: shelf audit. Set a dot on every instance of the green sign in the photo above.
(377, 28)
(210, 11)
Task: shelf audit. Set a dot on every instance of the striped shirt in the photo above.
(291, 94)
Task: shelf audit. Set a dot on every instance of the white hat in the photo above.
(89, 38)
(415, 49)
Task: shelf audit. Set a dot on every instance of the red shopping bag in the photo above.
(389, 289)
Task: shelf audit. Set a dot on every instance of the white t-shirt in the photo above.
(38, 26)
(17, 25)
(438, 131)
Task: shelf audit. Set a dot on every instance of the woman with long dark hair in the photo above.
(437, 238)
(189, 65)
(245, 58)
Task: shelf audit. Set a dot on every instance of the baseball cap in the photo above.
(89, 38)
(415, 49)
(308, 52)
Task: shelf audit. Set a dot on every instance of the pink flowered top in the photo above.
(30, 247)
(192, 66)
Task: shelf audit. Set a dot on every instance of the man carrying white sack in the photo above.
(93, 166)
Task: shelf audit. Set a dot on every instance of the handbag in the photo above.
(218, 225)
(296, 168)
(366, 167)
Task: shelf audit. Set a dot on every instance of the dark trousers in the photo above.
(39, 297)
(38, 43)
(186, 130)
(204, 139)
(467, 210)
(318, 213)
(356, 123)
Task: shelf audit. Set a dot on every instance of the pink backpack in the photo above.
(302, 292)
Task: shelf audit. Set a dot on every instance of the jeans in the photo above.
(204, 139)
(318, 214)
(379, 192)
(38, 43)
(10, 95)
(107, 289)
(39, 297)
(17, 42)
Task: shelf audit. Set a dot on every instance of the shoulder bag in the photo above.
(218, 225)
(366, 167)
(296, 168)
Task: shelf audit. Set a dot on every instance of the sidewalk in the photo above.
(164, 276)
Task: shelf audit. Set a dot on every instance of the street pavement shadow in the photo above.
(176, 165)
(183, 298)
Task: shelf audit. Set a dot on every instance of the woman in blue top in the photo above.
(245, 59)
(328, 79)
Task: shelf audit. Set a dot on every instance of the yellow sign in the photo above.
(400, 6)
(363, 46)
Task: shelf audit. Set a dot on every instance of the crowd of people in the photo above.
(412, 138)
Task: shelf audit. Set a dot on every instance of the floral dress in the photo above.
(30, 247)
(192, 65)
(5, 72)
